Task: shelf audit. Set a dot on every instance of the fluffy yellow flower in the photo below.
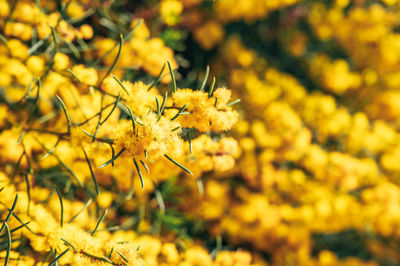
(156, 137)
(206, 113)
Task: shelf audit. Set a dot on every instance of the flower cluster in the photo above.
(87, 147)
(319, 145)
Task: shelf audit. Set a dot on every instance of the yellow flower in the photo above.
(156, 137)
(210, 34)
(170, 11)
(86, 75)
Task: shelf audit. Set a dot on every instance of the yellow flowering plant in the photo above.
(199, 132)
(86, 137)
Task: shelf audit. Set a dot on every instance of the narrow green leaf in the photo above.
(99, 222)
(112, 159)
(121, 40)
(160, 201)
(88, 13)
(53, 54)
(139, 172)
(111, 251)
(178, 164)
(234, 102)
(179, 113)
(95, 115)
(163, 104)
(92, 173)
(145, 166)
(21, 135)
(10, 212)
(16, 168)
(102, 258)
(120, 84)
(172, 76)
(211, 91)
(157, 80)
(74, 75)
(127, 37)
(69, 244)
(53, 34)
(62, 206)
(158, 107)
(38, 84)
(106, 140)
(23, 224)
(8, 244)
(99, 120)
(15, 229)
(122, 256)
(58, 257)
(84, 208)
(65, 113)
(73, 48)
(203, 85)
(131, 117)
(190, 143)
(28, 191)
(61, 163)
(112, 154)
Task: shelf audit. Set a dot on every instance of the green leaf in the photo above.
(120, 83)
(139, 172)
(112, 159)
(157, 80)
(121, 40)
(172, 76)
(62, 206)
(99, 222)
(84, 208)
(58, 257)
(203, 85)
(65, 112)
(210, 92)
(8, 244)
(92, 173)
(178, 164)
(179, 112)
(10, 212)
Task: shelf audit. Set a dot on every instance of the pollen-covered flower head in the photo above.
(206, 113)
(156, 137)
